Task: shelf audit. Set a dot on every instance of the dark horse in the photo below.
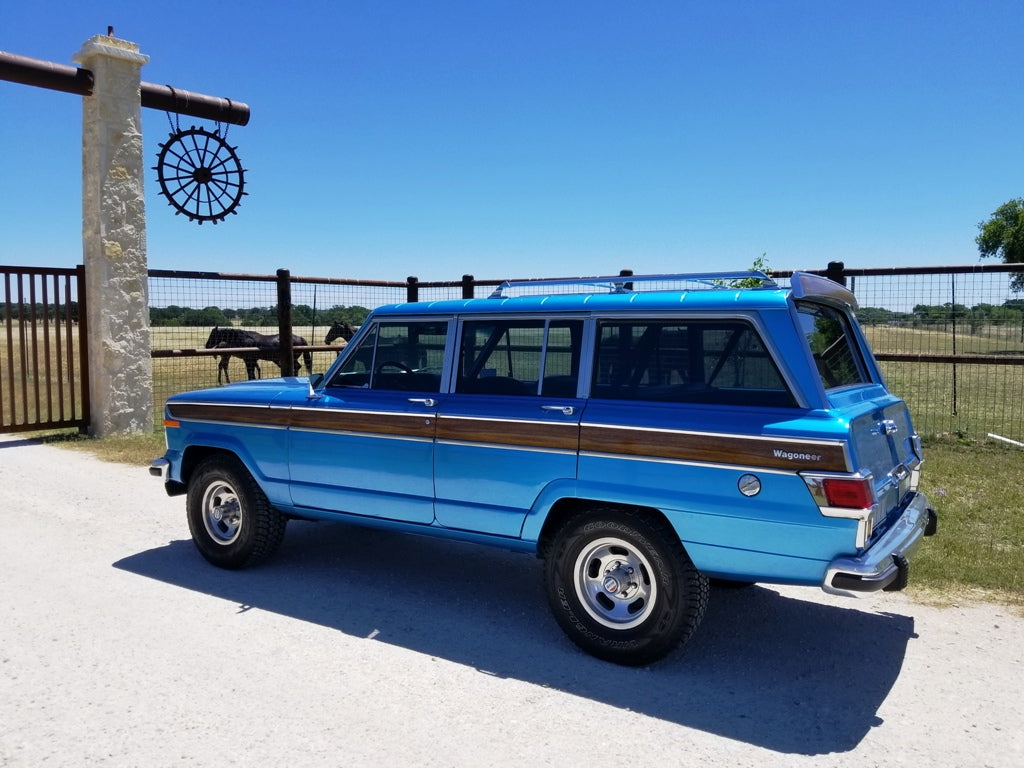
(340, 330)
(267, 348)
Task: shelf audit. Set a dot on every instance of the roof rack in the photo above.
(623, 283)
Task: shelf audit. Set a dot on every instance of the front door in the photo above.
(366, 446)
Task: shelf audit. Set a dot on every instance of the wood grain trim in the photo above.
(371, 422)
(261, 415)
(551, 435)
(367, 422)
(754, 451)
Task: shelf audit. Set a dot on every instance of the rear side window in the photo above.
(687, 361)
(520, 357)
(835, 352)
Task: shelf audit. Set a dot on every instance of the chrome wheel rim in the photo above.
(615, 583)
(222, 513)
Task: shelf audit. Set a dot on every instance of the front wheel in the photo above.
(231, 522)
(622, 586)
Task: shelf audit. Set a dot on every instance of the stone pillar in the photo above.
(114, 239)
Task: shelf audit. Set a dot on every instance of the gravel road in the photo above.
(119, 646)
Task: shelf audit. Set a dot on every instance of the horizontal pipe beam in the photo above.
(69, 79)
(194, 104)
(45, 74)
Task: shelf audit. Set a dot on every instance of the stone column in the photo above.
(114, 239)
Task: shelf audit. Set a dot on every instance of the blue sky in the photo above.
(514, 139)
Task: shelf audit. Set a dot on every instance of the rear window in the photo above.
(687, 361)
(830, 337)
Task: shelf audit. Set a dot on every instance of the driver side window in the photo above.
(405, 356)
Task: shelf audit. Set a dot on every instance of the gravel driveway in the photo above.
(120, 646)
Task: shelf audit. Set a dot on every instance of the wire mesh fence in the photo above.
(951, 343)
(949, 340)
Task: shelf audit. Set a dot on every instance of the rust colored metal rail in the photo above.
(71, 79)
(913, 357)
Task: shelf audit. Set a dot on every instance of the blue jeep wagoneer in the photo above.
(640, 438)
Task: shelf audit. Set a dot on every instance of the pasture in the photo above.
(964, 400)
(178, 374)
(959, 399)
(40, 375)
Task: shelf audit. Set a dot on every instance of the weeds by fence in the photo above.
(950, 340)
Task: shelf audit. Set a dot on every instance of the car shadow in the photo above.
(769, 670)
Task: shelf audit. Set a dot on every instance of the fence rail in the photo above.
(950, 340)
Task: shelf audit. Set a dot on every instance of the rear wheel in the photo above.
(231, 522)
(622, 586)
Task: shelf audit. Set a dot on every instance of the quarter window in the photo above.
(698, 361)
(835, 353)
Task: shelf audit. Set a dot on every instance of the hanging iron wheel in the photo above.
(200, 175)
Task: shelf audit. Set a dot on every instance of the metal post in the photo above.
(284, 321)
(468, 284)
(836, 272)
(412, 289)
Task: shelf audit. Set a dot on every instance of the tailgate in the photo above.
(885, 444)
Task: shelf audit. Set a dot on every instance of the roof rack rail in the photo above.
(619, 283)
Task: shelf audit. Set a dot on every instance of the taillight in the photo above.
(849, 492)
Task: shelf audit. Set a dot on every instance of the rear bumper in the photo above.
(885, 565)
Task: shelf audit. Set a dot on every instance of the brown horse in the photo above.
(340, 329)
(266, 348)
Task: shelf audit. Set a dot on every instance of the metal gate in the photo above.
(44, 375)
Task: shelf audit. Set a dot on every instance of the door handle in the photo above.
(567, 410)
(427, 401)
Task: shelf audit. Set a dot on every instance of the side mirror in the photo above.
(315, 381)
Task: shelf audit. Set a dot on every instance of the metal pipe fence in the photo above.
(950, 340)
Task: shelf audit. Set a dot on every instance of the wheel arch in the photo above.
(196, 454)
(566, 508)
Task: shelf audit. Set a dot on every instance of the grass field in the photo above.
(179, 374)
(963, 400)
(40, 377)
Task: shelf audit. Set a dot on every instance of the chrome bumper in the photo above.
(160, 468)
(885, 564)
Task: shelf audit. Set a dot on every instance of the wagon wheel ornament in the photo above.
(200, 174)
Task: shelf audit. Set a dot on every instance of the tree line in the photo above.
(1010, 312)
(302, 314)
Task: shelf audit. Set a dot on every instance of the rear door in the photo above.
(511, 427)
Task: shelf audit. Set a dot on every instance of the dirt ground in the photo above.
(119, 646)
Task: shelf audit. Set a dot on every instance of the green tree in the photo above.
(1003, 235)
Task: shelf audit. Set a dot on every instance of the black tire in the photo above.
(622, 587)
(231, 522)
